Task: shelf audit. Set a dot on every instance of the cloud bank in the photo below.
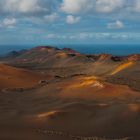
(33, 18)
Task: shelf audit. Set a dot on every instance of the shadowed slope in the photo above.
(48, 57)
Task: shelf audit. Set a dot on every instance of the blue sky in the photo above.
(69, 21)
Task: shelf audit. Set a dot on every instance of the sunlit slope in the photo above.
(67, 62)
(129, 75)
(122, 67)
(88, 87)
(11, 77)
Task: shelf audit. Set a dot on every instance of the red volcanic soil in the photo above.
(11, 77)
(89, 88)
(86, 95)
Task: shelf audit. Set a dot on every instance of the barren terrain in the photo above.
(48, 93)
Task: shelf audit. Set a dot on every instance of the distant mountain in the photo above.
(70, 62)
(13, 54)
(47, 56)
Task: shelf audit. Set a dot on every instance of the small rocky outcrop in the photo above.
(42, 82)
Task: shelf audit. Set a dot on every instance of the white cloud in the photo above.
(22, 6)
(56, 36)
(51, 36)
(71, 19)
(91, 36)
(116, 25)
(82, 36)
(77, 6)
(82, 6)
(136, 7)
(107, 6)
(26, 7)
(51, 18)
(8, 22)
(85, 35)
(103, 36)
(31, 11)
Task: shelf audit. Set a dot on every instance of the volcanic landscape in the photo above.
(47, 93)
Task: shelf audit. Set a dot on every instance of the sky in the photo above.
(69, 21)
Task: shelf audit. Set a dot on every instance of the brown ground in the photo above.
(11, 77)
(83, 105)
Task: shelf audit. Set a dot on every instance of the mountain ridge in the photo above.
(43, 54)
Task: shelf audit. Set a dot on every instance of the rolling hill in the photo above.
(11, 77)
(67, 62)
(67, 95)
